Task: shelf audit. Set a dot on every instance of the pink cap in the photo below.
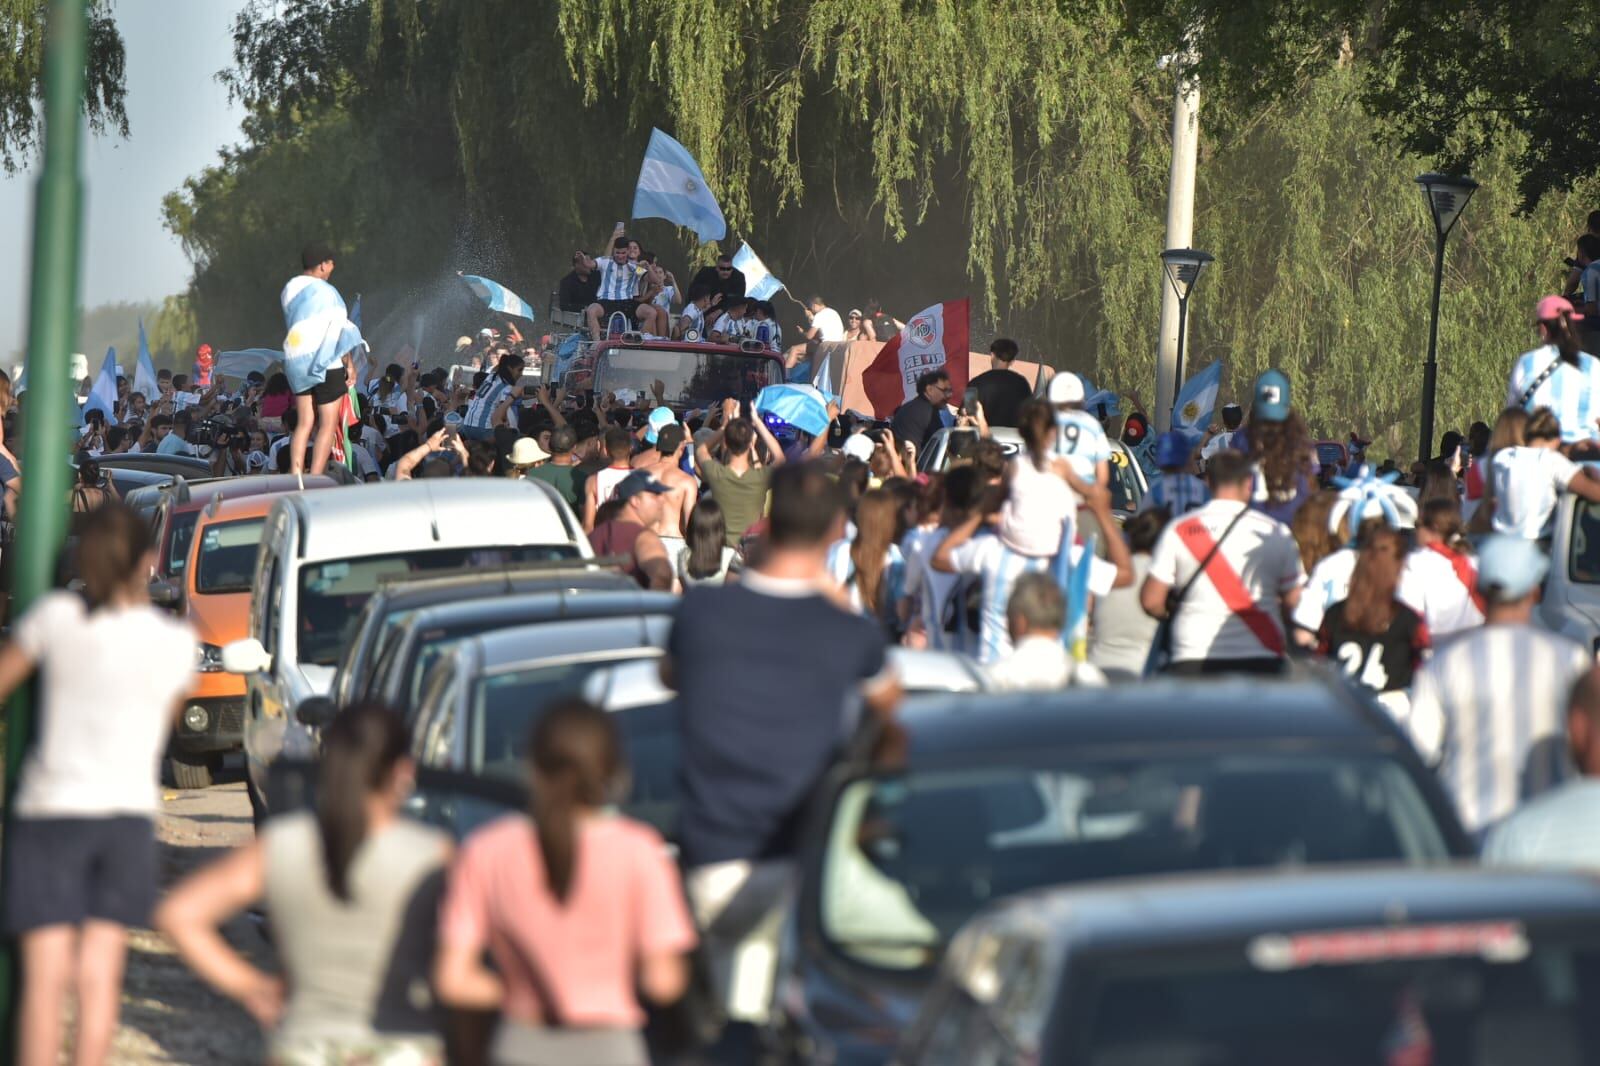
(1553, 307)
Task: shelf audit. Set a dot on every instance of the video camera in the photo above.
(212, 432)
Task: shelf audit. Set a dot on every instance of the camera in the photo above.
(205, 433)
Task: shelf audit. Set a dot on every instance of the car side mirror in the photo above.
(246, 656)
(316, 712)
(165, 594)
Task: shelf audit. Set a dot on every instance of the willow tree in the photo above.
(22, 34)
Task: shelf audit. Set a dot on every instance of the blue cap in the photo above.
(1272, 396)
(660, 419)
(1173, 449)
(1510, 567)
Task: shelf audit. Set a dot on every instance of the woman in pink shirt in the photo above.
(578, 907)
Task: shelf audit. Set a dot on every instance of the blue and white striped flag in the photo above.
(144, 375)
(672, 187)
(355, 311)
(498, 297)
(1072, 575)
(759, 282)
(1197, 402)
(103, 394)
(320, 331)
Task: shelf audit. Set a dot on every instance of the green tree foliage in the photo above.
(22, 24)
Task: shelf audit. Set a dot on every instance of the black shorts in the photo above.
(611, 307)
(333, 386)
(66, 871)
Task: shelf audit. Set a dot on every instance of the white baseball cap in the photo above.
(859, 446)
(1066, 387)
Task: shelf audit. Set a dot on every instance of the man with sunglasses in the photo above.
(723, 278)
(920, 417)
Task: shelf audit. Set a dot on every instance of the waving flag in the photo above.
(239, 364)
(1197, 401)
(498, 297)
(1072, 566)
(802, 406)
(144, 376)
(759, 284)
(320, 331)
(672, 187)
(936, 337)
(103, 395)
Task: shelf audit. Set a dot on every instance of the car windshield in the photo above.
(227, 558)
(688, 378)
(1125, 494)
(1533, 1006)
(332, 593)
(911, 857)
(183, 523)
(505, 706)
(1585, 562)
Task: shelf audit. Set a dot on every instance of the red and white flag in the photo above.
(937, 337)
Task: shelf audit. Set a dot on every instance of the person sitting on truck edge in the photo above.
(765, 326)
(733, 326)
(581, 286)
(618, 290)
(694, 314)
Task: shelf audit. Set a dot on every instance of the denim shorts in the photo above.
(66, 871)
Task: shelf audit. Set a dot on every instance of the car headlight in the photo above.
(195, 718)
(209, 659)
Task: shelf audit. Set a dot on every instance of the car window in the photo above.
(226, 560)
(1531, 1005)
(910, 858)
(1584, 565)
(271, 600)
(182, 537)
(1125, 494)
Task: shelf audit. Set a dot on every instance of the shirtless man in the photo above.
(678, 504)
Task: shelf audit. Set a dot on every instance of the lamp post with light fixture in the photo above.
(1183, 268)
(1447, 196)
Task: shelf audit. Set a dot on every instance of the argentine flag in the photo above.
(320, 331)
(103, 395)
(498, 297)
(144, 376)
(672, 187)
(1197, 401)
(759, 284)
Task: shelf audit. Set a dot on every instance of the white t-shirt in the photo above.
(1260, 550)
(829, 326)
(1081, 440)
(1528, 482)
(110, 681)
(1430, 586)
(931, 589)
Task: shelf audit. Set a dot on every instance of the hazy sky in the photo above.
(178, 117)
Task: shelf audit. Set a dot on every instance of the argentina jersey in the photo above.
(1082, 442)
(480, 409)
(1571, 392)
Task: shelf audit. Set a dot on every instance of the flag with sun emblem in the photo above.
(320, 331)
(672, 187)
(1197, 401)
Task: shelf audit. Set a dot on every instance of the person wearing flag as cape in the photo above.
(316, 356)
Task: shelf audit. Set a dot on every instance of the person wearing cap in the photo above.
(561, 471)
(1080, 439)
(1177, 490)
(1528, 480)
(627, 532)
(1561, 828)
(581, 286)
(660, 418)
(1279, 448)
(1232, 419)
(856, 328)
(1488, 707)
(920, 417)
(1001, 390)
(1559, 374)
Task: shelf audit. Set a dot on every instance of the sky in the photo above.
(178, 117)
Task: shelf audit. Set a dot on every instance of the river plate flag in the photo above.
(934, 338)
(497, 297)
(672, 187)
(759, 283)
(1197, 401)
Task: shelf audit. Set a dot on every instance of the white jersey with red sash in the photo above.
(1234, 609)
(1442, 586)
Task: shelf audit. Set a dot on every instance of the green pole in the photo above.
(52, 335)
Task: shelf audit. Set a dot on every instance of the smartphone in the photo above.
(969, 403)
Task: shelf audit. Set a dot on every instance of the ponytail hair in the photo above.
(1442, 518)
(1560, 332)
(576, 757)
(1037, 425)
(359, 752)
(112, 543)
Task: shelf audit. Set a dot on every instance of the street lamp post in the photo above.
(1184, 267)
(1447, 196)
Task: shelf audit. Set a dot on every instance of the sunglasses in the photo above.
(724, 270)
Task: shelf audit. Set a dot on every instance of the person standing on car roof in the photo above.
(760, 727)
(1000, 389)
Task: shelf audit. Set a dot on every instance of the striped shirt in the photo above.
(1572, 392)
(692, 318)
(1081, 440)
(1490, 706)
(617, 282)
(1178, 493)
(480, 410)
(1561, 828)
(987, 558)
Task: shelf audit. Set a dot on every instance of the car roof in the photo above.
(505, 650)
(391, 517)
(1164, 713)
(221, 510)
(202, 492)
(928, 670)
(467, 586)
(571, 602)
(1169, 912)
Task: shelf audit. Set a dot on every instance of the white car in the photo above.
(1571, 601)
(323, 554)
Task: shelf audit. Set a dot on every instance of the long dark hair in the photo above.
(112, 543)
(1560, 332)
(576, 757)
(706, 535)
(359, 752)
(880, 523)
(1282, 450)
(1370, 606)
(1037, 424)
(277, 385)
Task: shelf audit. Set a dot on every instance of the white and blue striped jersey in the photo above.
(617, 282)
(1081, 440)
(693, 318)
(987, 558)
(480, 409)
(1178, 493)
(1571, 392)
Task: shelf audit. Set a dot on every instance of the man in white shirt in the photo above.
(1038, 660)
(1231, 618)
(1232, 419)
(823, 323)
(1529, 480)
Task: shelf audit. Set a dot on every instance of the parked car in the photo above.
(186, 466)
(1571, 600)
(1377, 966)
(1002, 794)
(325, 553)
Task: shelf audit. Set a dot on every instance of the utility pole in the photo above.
(52, 330)
(1180, 226)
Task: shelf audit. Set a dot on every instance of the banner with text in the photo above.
(934, 338)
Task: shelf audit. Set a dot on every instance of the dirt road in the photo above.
(168, 1016)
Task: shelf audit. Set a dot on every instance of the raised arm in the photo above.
(774, 449)
(958, 536)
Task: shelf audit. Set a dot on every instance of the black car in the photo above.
(999, 795)
(1460, 967)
